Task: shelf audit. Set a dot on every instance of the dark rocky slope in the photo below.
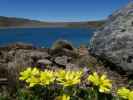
(114, 42)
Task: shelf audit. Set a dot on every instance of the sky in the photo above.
(60, 10)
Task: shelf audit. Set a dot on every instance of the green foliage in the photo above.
(4, 98)
(92, 93)
(24, 94)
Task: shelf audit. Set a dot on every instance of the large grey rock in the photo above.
(114, 41)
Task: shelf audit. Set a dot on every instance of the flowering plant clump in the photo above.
(101, 82)
(68, 78)
(67, 81)
(30, 76)
(34, 76)
(125, 93)
(25, 75)
(46, 77)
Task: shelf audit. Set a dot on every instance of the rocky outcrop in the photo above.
(16, 57)
(114, 42)
(13, 60)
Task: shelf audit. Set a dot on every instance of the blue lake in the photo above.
(45, 37)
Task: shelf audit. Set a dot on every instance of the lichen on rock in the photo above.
(114, 42)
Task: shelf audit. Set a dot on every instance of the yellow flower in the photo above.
(102, 82)
(94, 78)
(63, 97)
(60, 74)
(125, 93)
(25, 74)
(47, 77)
(35, 71)
(30, 76)
(68, 78)
(130, 96)
(105, 84)
(28, 73)
(33, 81)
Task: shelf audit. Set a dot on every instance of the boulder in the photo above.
(63, 47)
(114, 41)
(44, 62)
(59, 44)
(61, 60)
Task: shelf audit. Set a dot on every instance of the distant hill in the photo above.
(89, 24)
(7, 22)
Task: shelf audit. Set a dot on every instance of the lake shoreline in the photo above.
(44, 27)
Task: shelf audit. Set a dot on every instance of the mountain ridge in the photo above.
(9, 22)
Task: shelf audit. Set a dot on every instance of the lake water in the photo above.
(45, 37)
